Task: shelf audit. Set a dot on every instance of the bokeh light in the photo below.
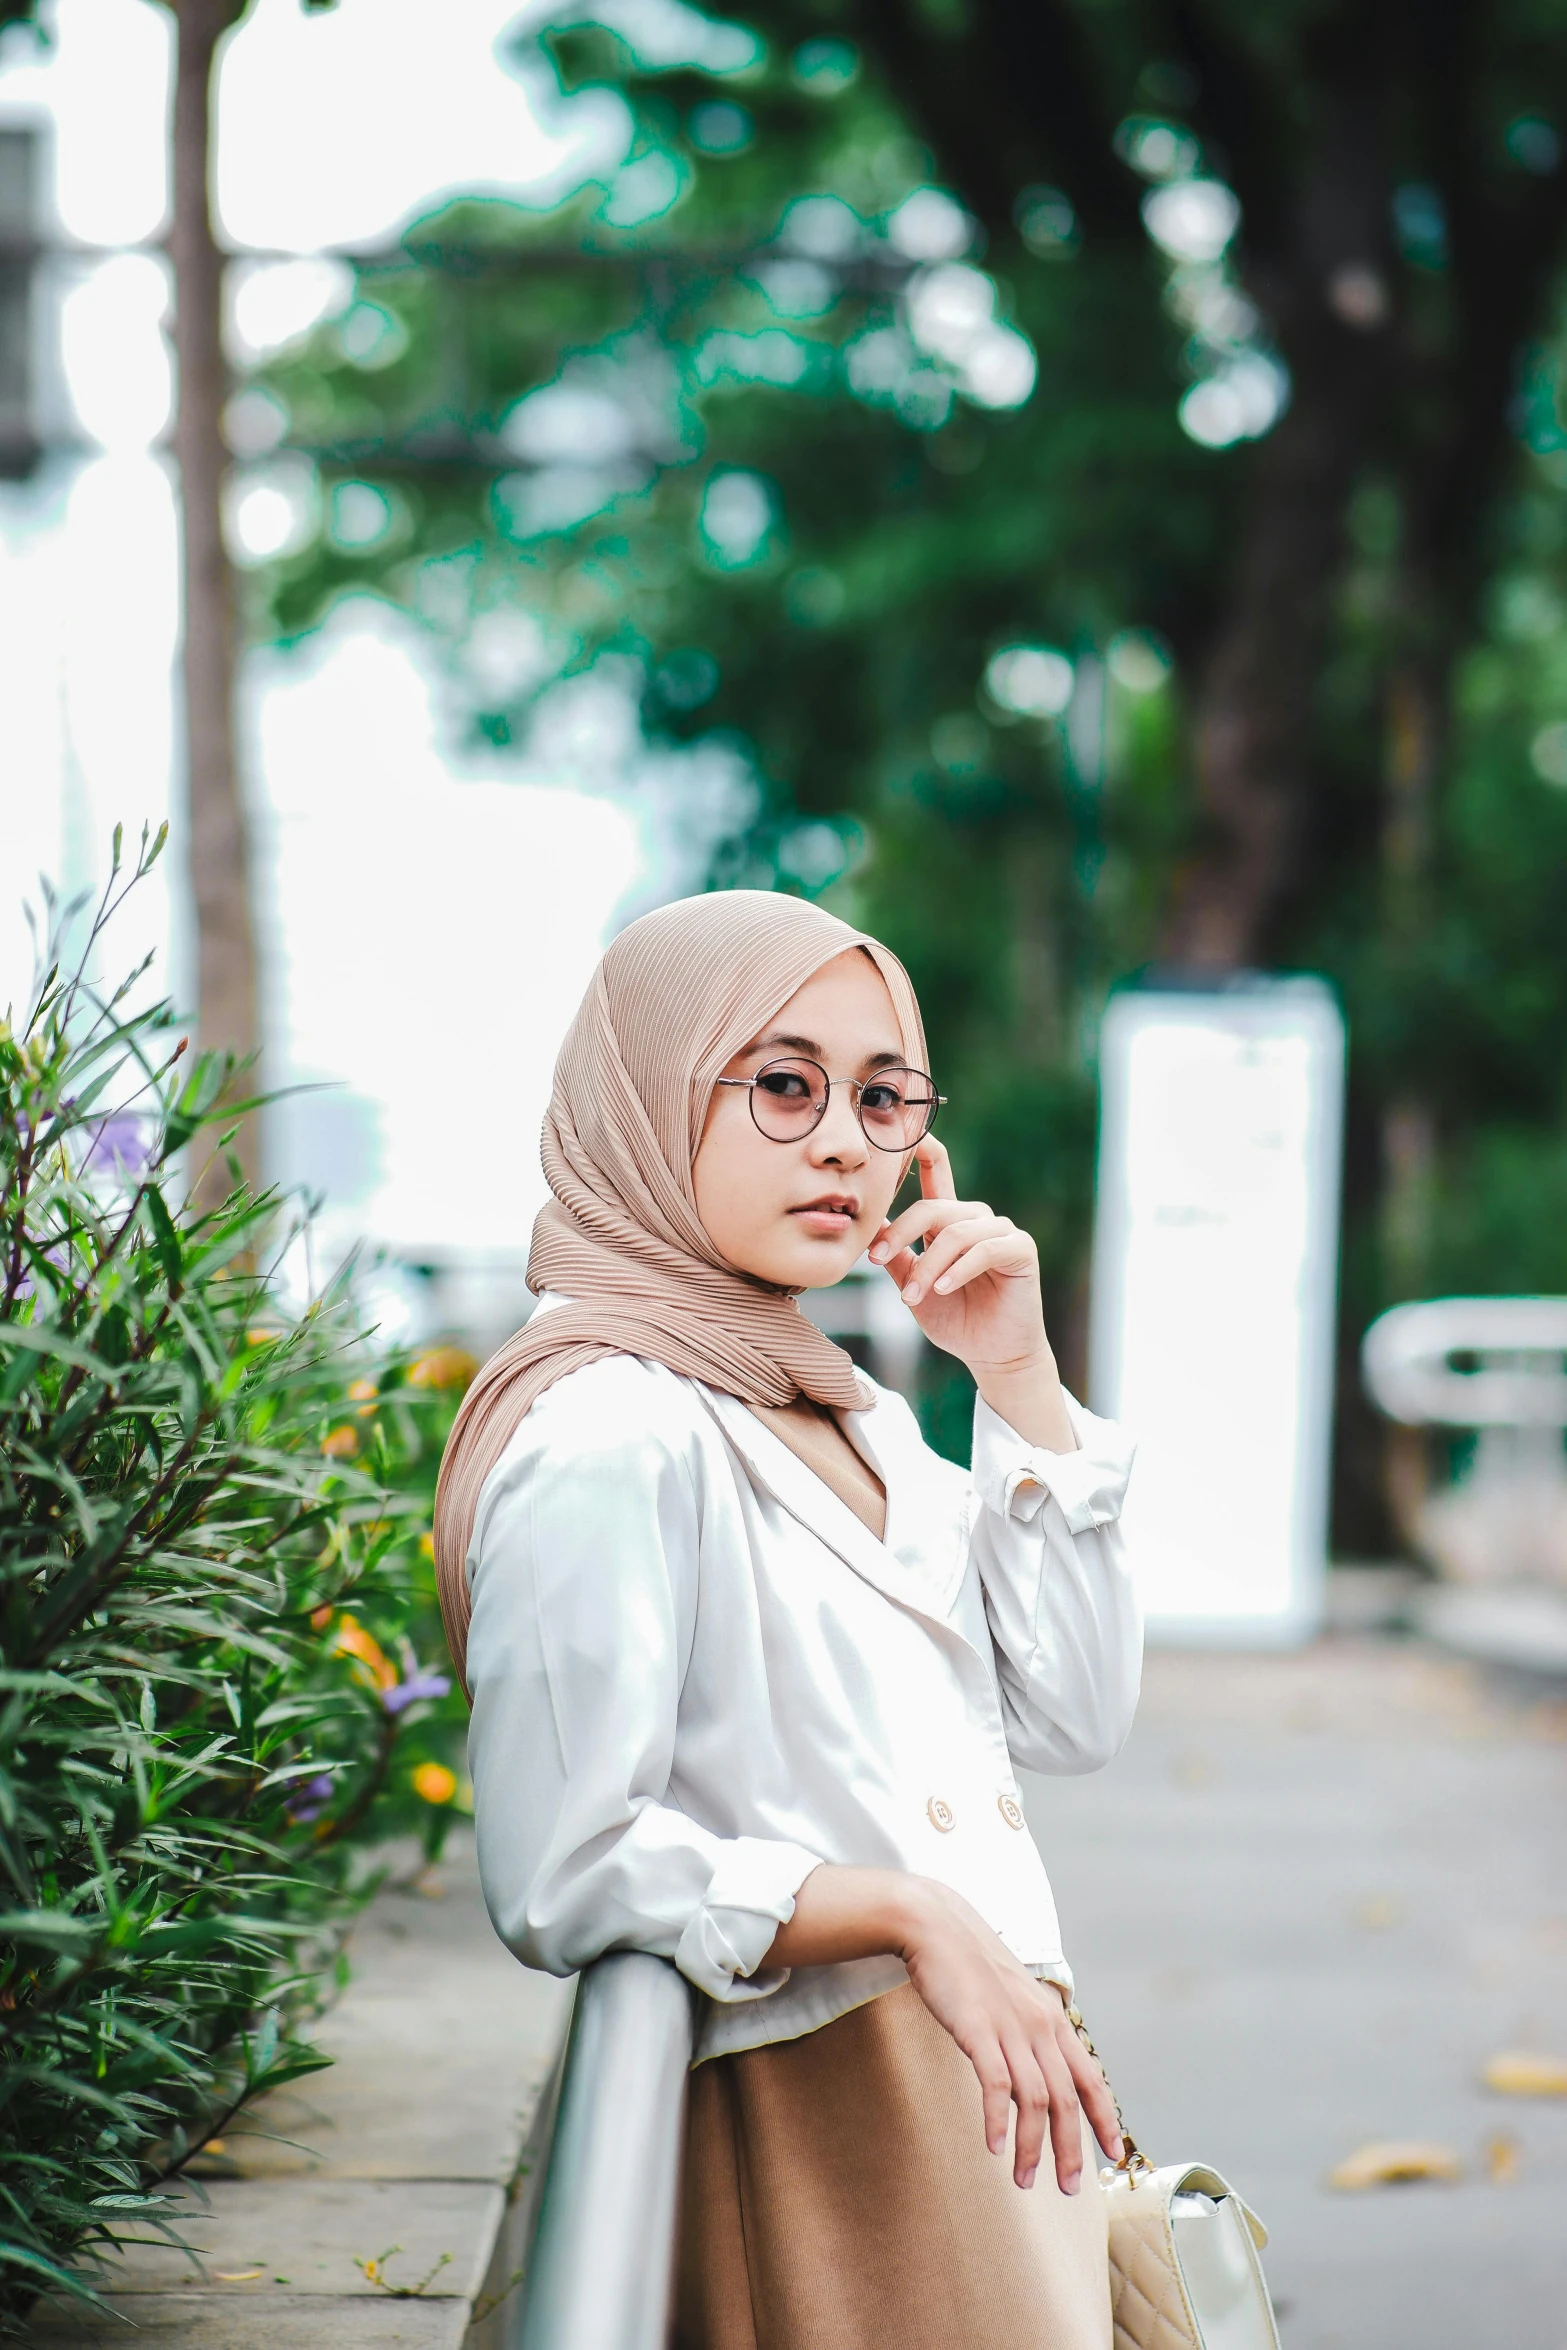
(929, 226)
(1548, 754)
(116, 359)
(1192, 220)
(737, 516)
(951, 312)
(1033, 681)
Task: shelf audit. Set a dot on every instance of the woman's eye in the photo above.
(785, 1085)
(881, 1099)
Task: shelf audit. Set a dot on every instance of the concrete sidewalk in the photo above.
(1304, 1907)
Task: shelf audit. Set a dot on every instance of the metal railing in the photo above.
(601, 2272)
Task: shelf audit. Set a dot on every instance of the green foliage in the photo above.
(1021, 865)
(915, 533)
(197, 1736)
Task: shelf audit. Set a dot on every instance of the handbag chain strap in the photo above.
(1133, 2159)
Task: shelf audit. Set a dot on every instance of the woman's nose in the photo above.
(839, 1138)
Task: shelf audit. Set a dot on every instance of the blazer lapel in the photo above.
(930, 1501)
(920, 1573)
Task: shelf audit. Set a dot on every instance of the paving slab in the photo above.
(315, 2235)
(1311, 1899)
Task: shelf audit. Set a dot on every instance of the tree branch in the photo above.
(1235, 110)
(1505, 245)
(1018, 98)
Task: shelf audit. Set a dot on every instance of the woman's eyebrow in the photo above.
(813, 1051)
(793, 1044)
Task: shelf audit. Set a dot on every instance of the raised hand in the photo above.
(973, 1288)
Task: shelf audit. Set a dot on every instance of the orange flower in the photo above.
(354, 1640)
(434, 1783)
(320, 1617)
(340, 1445)
(363, 1393)
(444, 1366)
(427, 1546)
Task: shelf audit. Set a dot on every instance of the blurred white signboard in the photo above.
(1214, 1281)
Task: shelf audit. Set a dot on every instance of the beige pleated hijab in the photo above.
(675, 998)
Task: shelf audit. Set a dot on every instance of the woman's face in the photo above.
(799, 1213)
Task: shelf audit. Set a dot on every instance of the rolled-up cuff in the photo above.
(1059, 1973)
(749, 1896)
(1088, 1485)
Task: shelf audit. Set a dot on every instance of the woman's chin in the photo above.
(796, 1259)
(820, 1264)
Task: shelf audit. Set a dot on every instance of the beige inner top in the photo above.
(812, 1432)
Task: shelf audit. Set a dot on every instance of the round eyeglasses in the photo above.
(896, 1107)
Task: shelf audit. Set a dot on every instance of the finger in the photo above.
(944, 1250)
(935, 1169)
(901, 1267)
(1094, 2091)
(1001, 1252)
(1032, 2100)
(1066, 2118)
(925, 1216)
(995, 2083)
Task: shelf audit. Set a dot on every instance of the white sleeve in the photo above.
(583, 1570)
(1064, 1619)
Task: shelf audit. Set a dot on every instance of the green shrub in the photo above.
(199, 1736)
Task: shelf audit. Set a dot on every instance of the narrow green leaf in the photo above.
(165, 1237)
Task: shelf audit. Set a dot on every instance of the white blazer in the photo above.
(696, 1674)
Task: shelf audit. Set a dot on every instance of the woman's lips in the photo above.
(828, 1222)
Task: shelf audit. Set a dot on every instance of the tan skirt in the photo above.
(839, 2195)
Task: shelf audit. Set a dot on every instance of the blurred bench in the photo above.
(1498, 1531)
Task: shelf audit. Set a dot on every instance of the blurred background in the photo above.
(1082, 490)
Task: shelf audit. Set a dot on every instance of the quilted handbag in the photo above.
(1184, 2271)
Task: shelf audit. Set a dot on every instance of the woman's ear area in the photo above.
(707, 1094)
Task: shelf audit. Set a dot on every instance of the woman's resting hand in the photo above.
(1013, 2030)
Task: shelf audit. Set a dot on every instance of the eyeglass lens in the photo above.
(895, 1106)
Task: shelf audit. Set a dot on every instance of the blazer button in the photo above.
(1011, 1810)
(941, 1815)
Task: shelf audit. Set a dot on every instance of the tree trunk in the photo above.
(1255, 705)
(1416, 706)
(1320, 272)
(218, 859)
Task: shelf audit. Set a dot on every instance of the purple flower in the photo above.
(123, 1142)
(310, 1801)
(404, 1693)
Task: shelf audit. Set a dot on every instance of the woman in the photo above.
(752, 1668)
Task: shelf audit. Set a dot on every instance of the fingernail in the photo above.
(911, 1294)
(877, 1253)
(1028, 2178)
(945, 1282)
(1071, 2186)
